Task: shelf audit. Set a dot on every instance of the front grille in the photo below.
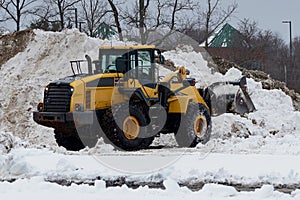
(57, 98)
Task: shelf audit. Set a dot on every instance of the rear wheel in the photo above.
(125, 128)
(195, 126)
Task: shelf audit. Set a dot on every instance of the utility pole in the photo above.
(291, 49)
(291, 39)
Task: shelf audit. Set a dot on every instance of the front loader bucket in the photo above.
(243, 103)
(228, 97)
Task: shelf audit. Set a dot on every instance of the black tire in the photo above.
(68, 139)
(76, 138)
(186, 136)
(115, 135)
(89, 134)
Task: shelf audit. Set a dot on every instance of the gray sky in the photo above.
(269, 14)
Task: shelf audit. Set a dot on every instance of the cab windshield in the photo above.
(107, 59)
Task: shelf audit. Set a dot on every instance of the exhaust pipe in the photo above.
(89, 61)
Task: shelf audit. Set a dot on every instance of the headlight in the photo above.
(79, 107)
(40, 107)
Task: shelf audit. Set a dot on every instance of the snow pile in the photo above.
(7, 142)
(13, 43)
(100, 147)
(275, 123)
(195, 63)
(268, 83)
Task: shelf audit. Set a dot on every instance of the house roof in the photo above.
(227, 36)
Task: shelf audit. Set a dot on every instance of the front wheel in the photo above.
(68, 139)
(76, 138)
(195, 126)
(126, 127)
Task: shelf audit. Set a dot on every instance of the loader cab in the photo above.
(135, 62)
(140, 64)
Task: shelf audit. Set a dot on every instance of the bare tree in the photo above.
(215, 17)
(265, 47)
(93, 12)
(294, 74)
(275, 53)
(45, 17)
(60, 7)
(182, 22)
(136, 16)
(142, 17)
(148, 16)
(248, 29)
(269, 48)
(116, 18)
(15, 10)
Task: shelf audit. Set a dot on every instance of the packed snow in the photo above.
(259, 147)
(36, 188)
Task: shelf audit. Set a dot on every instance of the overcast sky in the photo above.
(269, 14)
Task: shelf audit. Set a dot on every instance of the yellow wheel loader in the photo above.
(122, 98)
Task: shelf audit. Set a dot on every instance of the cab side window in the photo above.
(144, 65)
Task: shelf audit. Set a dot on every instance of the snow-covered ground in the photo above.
(35, 170)
(36, 188)
(258, 148)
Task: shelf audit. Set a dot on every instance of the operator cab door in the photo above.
(142, 66)
(139, 68)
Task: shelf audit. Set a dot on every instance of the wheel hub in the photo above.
(131, 127)
(200, 126)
